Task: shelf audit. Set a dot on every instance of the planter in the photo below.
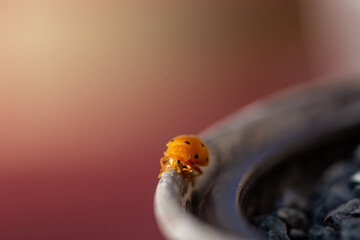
(283, 141)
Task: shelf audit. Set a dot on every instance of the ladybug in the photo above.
(184, 154)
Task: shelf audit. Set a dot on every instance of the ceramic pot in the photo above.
(282, 141)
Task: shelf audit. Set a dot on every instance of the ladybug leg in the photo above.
(187, 175)
(161, 173)
(187, 170)
(173, 161)
(199, 171)
(162, 170)
(189, 178)
(163, 166)
(162, 160)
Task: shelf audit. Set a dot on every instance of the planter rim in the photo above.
(173, 193)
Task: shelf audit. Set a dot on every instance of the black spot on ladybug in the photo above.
(178, 161)
(196, 156)
(202, 145)
(171, 140)
(207, 159)
(187, 142)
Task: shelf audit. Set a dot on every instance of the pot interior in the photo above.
(299, 169)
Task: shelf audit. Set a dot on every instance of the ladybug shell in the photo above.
(190, 148)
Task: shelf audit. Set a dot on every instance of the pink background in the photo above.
(90, 92)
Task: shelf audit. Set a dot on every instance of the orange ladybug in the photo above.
(184, 154)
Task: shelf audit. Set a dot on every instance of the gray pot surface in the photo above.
(242, 179)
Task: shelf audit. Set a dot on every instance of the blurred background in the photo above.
(91, 91)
